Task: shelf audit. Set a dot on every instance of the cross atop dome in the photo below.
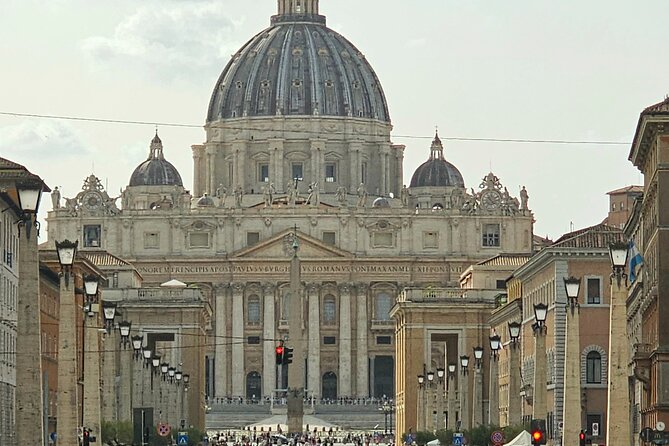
(298, 11)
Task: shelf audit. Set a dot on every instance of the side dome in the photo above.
(298, 67)
(156, 170)
(436, 171)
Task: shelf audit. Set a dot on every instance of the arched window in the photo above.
(253, 310)
(382, 305)
(329, 386)
(593, 372)
(253, 386)
(329, 310)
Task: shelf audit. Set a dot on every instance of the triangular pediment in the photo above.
(280, 246)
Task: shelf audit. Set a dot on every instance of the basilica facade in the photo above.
(298, 145)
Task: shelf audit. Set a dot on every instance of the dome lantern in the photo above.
(436, 171)
(156, 170)
(298, 11)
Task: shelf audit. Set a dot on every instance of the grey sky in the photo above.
(526, 69)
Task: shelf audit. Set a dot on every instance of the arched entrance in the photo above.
(253, 386)
(329, 386)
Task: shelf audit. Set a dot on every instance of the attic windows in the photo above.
(490, 235)
(356, 85)
(329, 84)
(92, 236)
(198, 240)
(330, 173)
(240, 85)
(252, 238)
(297, 83)
(430, 240)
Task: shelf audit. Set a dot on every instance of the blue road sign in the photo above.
(458, 438)
(182, 438)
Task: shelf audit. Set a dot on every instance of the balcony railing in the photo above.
(435, 294)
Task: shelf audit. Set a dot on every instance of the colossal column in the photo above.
(345, 364)
(221, 349)
(314, 359)
(237, 338)
(269, 324)
(362, 357)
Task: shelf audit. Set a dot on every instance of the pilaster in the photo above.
(91, 415)
(618, 403)
(68, 401)
(572, 421)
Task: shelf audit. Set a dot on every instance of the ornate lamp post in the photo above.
(539, 327)
(440, 409)
(493, 411)
(618, 425)
(477, 405)
(67, 411)
(92, 397)
(571, 415)
(464, 393)
(29, 415)
(450, 419)
(429, 406)
(514, 377)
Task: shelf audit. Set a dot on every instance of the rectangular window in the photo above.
(198, 239)
(330, 173)
(252, 238)
(151, 240)
(383, 340)
(253, 340)
(297, 171)
(263, 173)
(491, 235)
(382, 239)
(329, 340)
(330, 237)
(501, 284)
(363, 173)
(430, 239)
(92, 234)
(594, 291)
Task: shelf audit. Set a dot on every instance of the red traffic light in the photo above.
(581, 436)
(279, 350)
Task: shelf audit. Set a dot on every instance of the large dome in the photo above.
(156, 170)
(298, 67)
(436, 171)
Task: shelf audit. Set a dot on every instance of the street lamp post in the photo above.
(477, 404)
(514, 416)
(539, 327)
(440, 399)
(493, 411)
(429, 406)
(464, 393)
(91, 397)
(68, 410)
(108, 368)
(127, 365)
(618, 404)
(571, 416)
(29, 415)
(420, 412)
(450, 419)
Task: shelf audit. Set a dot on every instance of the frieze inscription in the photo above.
(285, 269)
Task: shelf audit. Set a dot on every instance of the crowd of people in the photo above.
(343, 401)
(315, 438)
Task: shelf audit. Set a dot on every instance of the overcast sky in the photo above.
(516, 69)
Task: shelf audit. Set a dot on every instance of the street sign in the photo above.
(646, 434)
(497, 437)
(458, 438)
(163, 429)
(182, 438)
